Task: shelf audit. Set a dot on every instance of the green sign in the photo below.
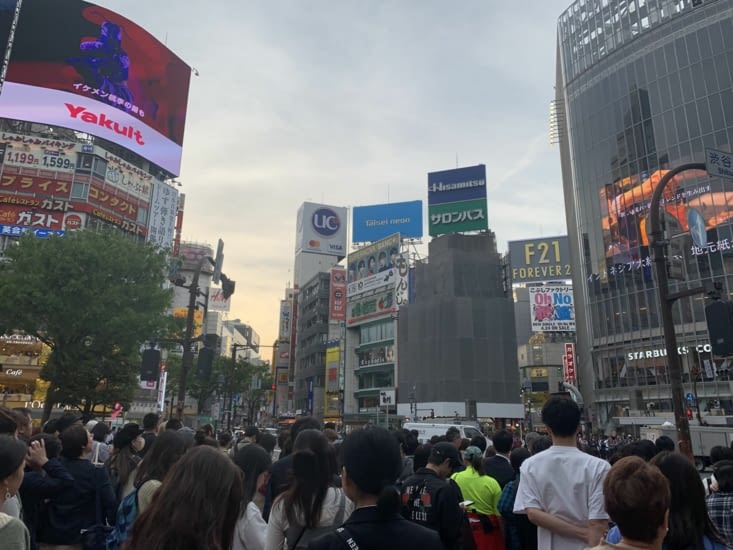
(457, 217)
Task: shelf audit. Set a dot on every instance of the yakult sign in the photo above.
(321, 229)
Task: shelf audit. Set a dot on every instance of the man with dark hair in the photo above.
(150, 431)
(720, 501)
(173, 424)
(25, 423)
(278, 481)
(66, 420)
(8, 422)
(664, 443)
(453, 435)
(431, 499)
(561, 489)
(498, 466)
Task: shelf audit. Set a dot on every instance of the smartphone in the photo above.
(465, 503)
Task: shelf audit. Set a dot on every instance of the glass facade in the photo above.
(646, 86)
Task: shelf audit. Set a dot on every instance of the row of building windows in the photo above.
(376, 332)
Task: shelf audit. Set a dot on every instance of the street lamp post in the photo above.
(666, 300)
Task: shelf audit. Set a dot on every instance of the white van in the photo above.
(426, 430)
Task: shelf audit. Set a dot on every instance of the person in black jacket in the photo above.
(498, 466)
(75, 509)
(430, 499)
(44, 478)
(371, 464)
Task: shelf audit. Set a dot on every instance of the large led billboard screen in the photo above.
(84, 67)
(371, 223)
(457, 200)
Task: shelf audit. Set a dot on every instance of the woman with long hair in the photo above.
(371, 465)
(13, 532)
(196, 506)
(481, 492)
(127, 443)
(311, 505)
(255, 462)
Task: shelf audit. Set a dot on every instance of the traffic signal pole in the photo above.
(666, 300)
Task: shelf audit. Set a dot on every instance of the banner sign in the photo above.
(333, 361)
(402, 288)
(552, 308)
(372, 260)
(34, 185)
(284, 331)
(569, 363)
(321, 229)
(337, 295)
(81, 66)
(163, 211)
(371, 223)
(376, 356)
(17, 231)
(36, 152)
(124, 176)
(540, 260)
(38, 219)
(376, 305)
(459, 184)
(457, 217)
(384, 279)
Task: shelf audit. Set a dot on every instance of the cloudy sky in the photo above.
(351, 103)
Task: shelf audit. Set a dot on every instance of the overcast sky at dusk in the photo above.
(352, 103)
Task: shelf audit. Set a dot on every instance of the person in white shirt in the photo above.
(561, 489)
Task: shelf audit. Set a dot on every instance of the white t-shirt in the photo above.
(567, 483)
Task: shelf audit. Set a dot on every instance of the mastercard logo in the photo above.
(314, 244)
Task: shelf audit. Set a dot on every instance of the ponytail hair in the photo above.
(311, 476)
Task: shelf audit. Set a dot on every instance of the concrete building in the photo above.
(643, 87)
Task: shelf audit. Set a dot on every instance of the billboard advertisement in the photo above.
(568, 363)
(32, 152)
(370, 307)
(370, 265)
(193, 254)
(125, 176)
(81, 66)
(321, 229)
(13, 181)
(333, 361)
(163, 211)
(217, 302)
(376, 356)
(375, 222)
(337, 295)
(552, 308)
(284, 330)
(457, 200)
(540, 260)
(402, 286)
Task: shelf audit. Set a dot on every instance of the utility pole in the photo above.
(666, 300)
(230, 385)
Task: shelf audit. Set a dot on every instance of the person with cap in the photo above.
(481, 493)
(431, 499)
(127, 443)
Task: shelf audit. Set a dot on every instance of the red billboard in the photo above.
(81, 66)
(568, 362)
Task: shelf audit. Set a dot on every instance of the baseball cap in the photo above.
(472, 452)
(445, 450)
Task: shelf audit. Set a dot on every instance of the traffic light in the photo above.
(688, 411)
(719, 315)
(150, 369)
(205, 363)
(227, 286)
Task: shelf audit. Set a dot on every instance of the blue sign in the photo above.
(17, 231)
(375, 222)
(690, 396)
(459, 184)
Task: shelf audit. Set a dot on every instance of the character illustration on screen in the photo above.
(103, 64)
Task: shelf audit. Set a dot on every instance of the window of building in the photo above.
(80, 191)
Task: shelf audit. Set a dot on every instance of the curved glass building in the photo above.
(642, 87)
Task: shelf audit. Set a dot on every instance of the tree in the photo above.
(93, 297)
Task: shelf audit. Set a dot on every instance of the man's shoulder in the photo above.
(395, 532)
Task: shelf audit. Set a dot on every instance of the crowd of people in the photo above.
(164, 486)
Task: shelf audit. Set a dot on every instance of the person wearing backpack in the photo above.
(167, 449)
(311, 506)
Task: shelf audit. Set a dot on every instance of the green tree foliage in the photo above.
(94, 298)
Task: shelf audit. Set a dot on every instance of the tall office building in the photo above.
(643, 87)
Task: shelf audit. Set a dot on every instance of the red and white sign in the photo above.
(568, 361)
(337, 298)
